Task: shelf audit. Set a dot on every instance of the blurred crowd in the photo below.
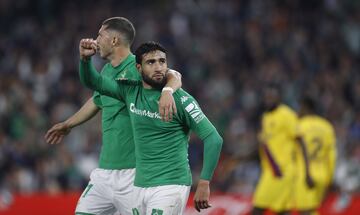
(226, 51)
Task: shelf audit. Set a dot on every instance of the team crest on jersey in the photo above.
(122, 75)
(195, 112)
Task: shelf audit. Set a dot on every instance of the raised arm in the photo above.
(56, 134)
(89, 77)
(167, 106)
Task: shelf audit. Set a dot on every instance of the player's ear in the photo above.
(138, 67)
(114, 41)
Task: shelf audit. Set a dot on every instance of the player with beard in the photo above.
(111, 184)
(163, 177)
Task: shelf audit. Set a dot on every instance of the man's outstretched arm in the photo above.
(56, 134)
(89, 77)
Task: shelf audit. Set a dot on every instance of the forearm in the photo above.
(173, 80)
(86, 112)
(212, 149)
(300, 141)
(90, 78)
(275, 167)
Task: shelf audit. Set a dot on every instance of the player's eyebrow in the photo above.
(150, 61)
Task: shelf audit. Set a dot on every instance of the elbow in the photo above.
(214, 140)
(176, 76)
(179, 77)
(219, 141)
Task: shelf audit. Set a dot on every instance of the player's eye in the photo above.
(162, 60)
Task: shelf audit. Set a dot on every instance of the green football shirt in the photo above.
(161, 148)
(117, 150)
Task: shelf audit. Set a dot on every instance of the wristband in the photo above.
(168, 89)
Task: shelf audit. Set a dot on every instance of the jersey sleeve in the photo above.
(97, 99)
(90, 78)
(192, 115)
(195, 119)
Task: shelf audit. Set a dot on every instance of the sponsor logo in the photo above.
(153, 115)
(184, 99)
(195, 112)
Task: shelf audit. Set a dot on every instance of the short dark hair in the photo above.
(146, 48)
(121, 25)
(309, 103)
(274, 87)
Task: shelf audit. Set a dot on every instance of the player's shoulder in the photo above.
(182, 96)
(286, 110)
(326, 123)
(130, 72)
(316, 121)
(184, 100)
(180, 92)
(106, 68)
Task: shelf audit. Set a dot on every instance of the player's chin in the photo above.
(158, 79)
(102, 55)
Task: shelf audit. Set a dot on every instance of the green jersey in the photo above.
(117, 150)
(161, 148)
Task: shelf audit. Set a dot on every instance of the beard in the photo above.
(153, 83)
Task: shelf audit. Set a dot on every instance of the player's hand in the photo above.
(87, 48)
(202, 195)
(310, 182)
(56, 134)
(277, 172)
(167, 106)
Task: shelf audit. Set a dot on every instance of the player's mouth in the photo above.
(158, 76)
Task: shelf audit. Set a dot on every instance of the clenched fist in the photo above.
(87, 48)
